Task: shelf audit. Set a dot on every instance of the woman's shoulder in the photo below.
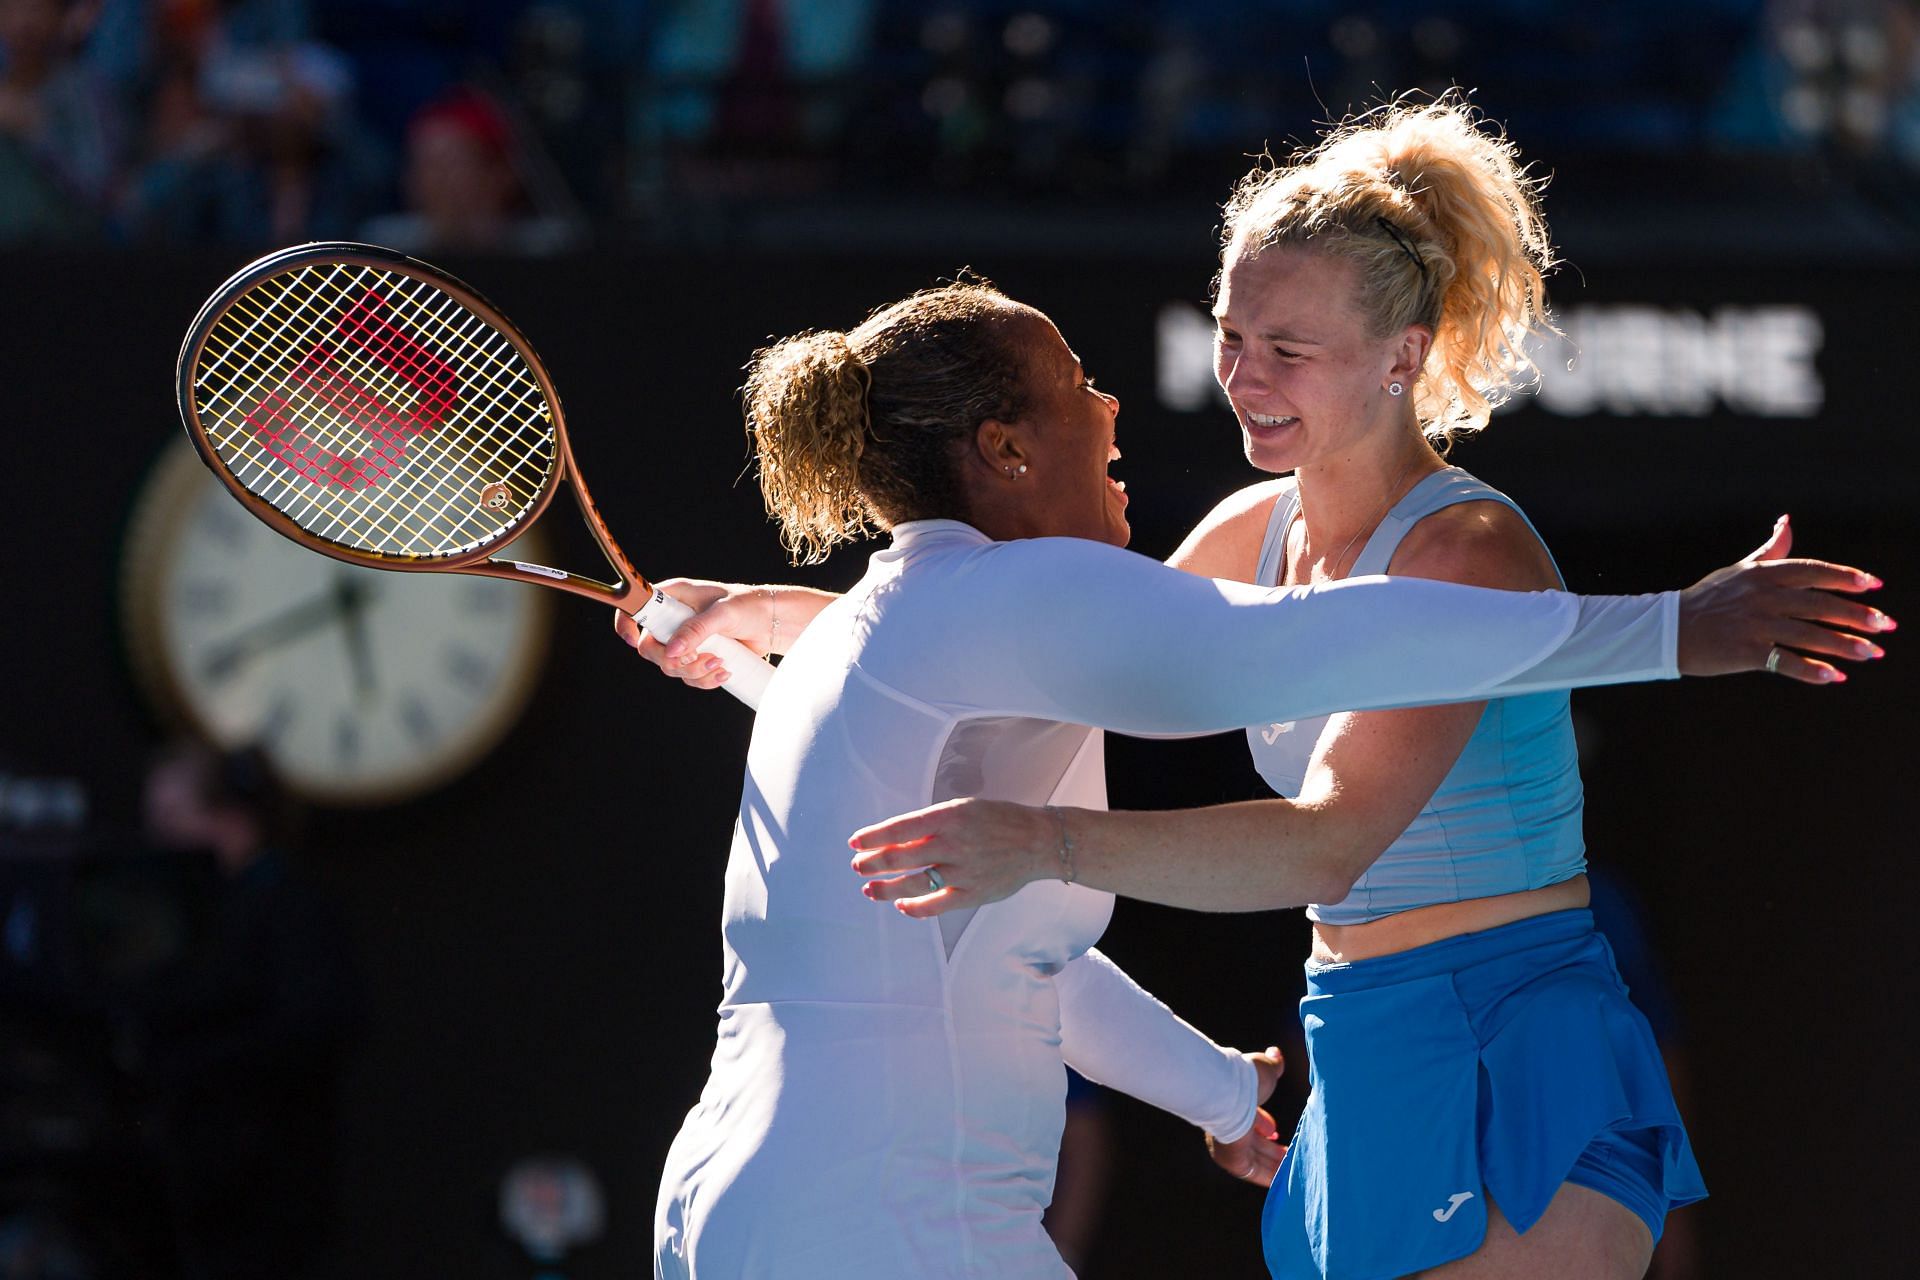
(1481, 542)
(1226, 542)
(1254, 499)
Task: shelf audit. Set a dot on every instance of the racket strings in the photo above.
(375, 500)
(374, 409)
(444, 311)
(347, 512)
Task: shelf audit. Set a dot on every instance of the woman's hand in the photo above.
(1768, 613)
(720, 608)
(1255, 1156)
(963, 853)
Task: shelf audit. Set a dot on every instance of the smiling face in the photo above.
(1293, 352)
(1067, 439)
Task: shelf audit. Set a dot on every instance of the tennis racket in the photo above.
(376, 410)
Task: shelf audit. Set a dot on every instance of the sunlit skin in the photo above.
(1309, 387)
(1065, 439)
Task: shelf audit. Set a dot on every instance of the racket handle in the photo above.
(747, 671)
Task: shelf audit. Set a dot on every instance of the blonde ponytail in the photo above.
(869, 428)
(806, 407)
(1444, 224)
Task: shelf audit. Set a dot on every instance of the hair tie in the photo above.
(1406, 246)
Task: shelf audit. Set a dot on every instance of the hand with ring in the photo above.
(1783, 616)
(986, 851)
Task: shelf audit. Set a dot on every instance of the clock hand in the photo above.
(288, 625)
(351, 595)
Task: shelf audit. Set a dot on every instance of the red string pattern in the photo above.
(319, 388)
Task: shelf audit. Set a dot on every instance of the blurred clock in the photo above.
(363, 687)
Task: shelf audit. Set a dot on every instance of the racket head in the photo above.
(372, 407)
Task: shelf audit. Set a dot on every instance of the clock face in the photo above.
(363, 686)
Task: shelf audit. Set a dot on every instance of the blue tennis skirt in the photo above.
(1501, 1064)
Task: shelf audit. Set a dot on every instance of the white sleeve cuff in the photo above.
(1115, 1033)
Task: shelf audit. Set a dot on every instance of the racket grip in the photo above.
(747, 671)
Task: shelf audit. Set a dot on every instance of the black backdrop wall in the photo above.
(541, 933)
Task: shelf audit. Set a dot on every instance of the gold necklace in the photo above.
(1375, 522)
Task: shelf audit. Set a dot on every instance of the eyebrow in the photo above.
(1276, 335)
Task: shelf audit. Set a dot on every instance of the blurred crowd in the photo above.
(178, 1002)
(534, 125)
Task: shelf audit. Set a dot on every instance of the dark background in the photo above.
(540, 935)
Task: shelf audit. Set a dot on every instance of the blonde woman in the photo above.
(1485, 1102)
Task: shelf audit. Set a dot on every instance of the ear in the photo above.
(1410, 353)
(1002, 447)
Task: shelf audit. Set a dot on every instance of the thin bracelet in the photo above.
(1066, 846)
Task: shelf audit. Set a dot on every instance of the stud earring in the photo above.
(1395, 389)
(1022, 470)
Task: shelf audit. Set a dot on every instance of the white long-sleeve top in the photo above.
(886, 1099)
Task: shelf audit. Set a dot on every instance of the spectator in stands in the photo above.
(464, 188)
(60, 125)
(753, 96)
(242, 1055)
(251, 133)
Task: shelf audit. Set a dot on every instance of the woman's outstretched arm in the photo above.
(1368, 778)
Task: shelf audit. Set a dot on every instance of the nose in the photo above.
(1238, 375)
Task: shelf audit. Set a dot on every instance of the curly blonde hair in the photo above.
(867, 428)
(1443, 222)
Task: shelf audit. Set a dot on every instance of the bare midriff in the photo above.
(1405, 930)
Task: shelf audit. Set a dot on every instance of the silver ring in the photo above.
(1773, 661)
(933, 878)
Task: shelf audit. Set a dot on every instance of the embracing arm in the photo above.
(1081, 633)
(1369, 776)
(1367, 781)
(1115, 1033)
(1224, 545)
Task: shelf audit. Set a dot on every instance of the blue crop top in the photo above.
(1507, 815)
